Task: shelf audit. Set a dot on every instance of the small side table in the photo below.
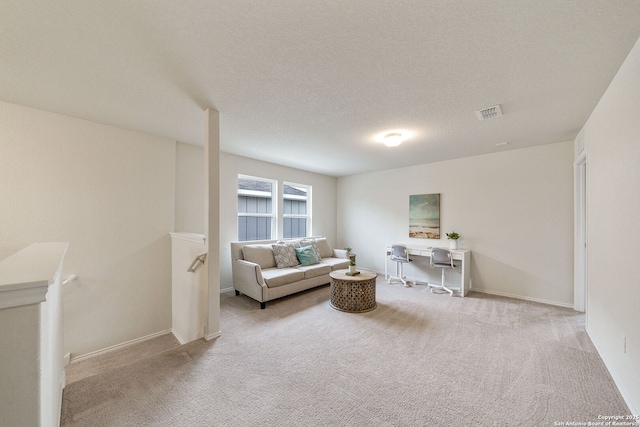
(354, 294)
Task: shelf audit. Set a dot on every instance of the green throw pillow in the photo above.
(307, 255)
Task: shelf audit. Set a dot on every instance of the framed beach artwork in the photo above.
(424, 216)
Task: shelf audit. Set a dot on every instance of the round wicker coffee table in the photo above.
(354, 294)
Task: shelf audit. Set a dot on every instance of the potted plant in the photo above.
(352, 266)
(350, 255)
(453, 237)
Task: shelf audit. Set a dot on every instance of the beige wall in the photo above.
(513, 209)
(110, 193)
(612, 144)
(189, 188)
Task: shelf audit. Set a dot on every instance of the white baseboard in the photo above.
(178, 337)
(74, 359)
(213, 336)
(502, 294)
(69, 359)
(617, 379)
(540, 300)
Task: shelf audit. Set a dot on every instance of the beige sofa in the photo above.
(264, 276)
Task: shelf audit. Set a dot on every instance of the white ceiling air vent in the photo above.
(489, 113)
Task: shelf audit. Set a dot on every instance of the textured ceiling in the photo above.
(310, 83)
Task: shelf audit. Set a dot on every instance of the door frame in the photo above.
(580, 283)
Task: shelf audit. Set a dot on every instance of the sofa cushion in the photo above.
(325, 249)
(306, 255)
(285, 255)
(336, 263)
(315, 270)
(259, 254)
(275, 277)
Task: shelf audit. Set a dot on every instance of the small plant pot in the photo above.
(453, 244)
(352, 269)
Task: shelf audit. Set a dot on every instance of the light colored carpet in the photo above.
(419, 359)
(121, 357)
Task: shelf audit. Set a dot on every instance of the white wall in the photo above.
(110, 193)
(513, 209)
(189, 188)
(611, 139)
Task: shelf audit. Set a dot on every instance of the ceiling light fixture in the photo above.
(392, 139)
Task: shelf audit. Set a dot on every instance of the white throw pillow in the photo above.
(325, 249)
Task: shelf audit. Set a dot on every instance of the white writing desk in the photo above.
(463, 255)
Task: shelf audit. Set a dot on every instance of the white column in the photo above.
(212, 218)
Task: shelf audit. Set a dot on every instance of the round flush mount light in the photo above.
(392, 139)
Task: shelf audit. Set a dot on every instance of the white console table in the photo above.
(463, 255)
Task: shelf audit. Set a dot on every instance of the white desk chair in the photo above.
(441, 258)
(399, 255)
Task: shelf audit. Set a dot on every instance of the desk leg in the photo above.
(465, 274)
(386, 260)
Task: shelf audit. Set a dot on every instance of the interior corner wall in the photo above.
(611, 138)
(110, 193)
(189, 214)
(513, 210)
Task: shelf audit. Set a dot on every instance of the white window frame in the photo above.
(274, 203)
(307, 199)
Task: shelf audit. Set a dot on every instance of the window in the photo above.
(256, 208)
(259, 216)
(296, 220)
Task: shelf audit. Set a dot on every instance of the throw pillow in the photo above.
(312, 242)
(307, 255)
(295, 243)
(285, 255)
(325, 249)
